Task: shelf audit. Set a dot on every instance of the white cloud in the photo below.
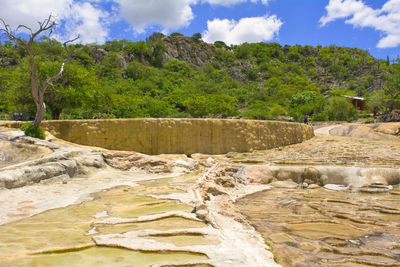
(87, 21)
(338, 9)
(251, 30)
(78, 18)
(169, 14)
(232, 2)
(357, 13)
(29, 12)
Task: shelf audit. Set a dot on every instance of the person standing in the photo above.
(306, 119)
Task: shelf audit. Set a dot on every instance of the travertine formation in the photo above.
(180, 136)
(201, 218)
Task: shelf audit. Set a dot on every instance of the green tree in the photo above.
(197, 36)
(392, 88)
(76, 88)
(157, 48)
(377, 102)
(339, 109)
(38, 87)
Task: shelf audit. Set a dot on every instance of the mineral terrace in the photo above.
(326, 200)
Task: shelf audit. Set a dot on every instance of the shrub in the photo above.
(339, 109)
(370, 120)
(220, 44)
(176, 34)
(32, 131)
(197, 36)
(323, 116)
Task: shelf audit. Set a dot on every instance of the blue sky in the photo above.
(372, 25)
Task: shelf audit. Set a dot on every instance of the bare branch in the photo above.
(50, 80)
(25, 27)
(10, 34)
(66, 48)
(47, 24)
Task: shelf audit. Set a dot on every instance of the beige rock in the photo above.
(31, 174)
(259, 174)
(226, 181)
(313, 186)
(126, 160)
(212, 188)
(185, 165)
(392, 128)
(202, 214)
(209, 162)
(180, 136)
(336, 187)
(293, 174)
(94, 160)
(284, 184)
(70, 166)
(311, 175)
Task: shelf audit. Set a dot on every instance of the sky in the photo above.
(372, 25)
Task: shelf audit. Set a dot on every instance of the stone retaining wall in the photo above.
(179, 136)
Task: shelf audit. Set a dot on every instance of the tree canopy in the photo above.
(179, 76)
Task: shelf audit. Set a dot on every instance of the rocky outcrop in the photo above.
(193, 52)
(61, 165)
(377, 131)
(63, 162)
(128, 160)
(392, 128)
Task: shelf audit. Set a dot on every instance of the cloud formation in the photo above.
(169, 14)
(253, 29)
(79, 17)
(91, 20)
(87, 21)
(358, 14)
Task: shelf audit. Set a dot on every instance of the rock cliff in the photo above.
(180, 136)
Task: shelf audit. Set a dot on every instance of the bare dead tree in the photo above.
(38, 91)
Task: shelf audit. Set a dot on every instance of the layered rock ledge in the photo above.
(179, 136)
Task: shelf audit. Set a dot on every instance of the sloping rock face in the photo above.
(377, 131)
(180, 136)
(61, 162)
(189, 50)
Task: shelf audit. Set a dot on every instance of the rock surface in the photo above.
(222, 182)
(51, 160)
(179, 136)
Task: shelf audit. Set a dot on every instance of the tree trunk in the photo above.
(40, 111)
(36, 94)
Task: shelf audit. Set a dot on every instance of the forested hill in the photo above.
(178, 76)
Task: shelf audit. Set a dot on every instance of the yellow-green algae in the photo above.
(101, 256)
(33, 241)
(185, 239)
(161, 224)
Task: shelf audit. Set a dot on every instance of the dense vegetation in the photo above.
(180, 76)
